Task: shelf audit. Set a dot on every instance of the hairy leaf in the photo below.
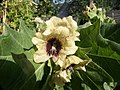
(20, 72)
(14, 41)
(105, 46)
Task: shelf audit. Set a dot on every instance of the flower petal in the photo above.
(37, 41)
(82, 64)
(60, 60)
(38, 19)
(62, 31)
(76, 35)
(69, 50)
(47, 31)
(55, 20)
(70, 23)
(65, 31)
(62, 77)
(69, 42)
(50, 27)
(72, 60)
(39, 35)
(40, 56)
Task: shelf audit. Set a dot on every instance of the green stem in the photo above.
(4, 15)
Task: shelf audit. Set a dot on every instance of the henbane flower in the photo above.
(76, 62)
(72, 63)
(61, 77)
(56, 41)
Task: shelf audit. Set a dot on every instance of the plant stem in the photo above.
(4, 15)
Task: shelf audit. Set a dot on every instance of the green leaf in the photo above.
(46, 85)
(111, 36)
(82, 53)
(112, 32)
(97, 73)
(88, 35)
(95, 76)
(20, 72)
(76, 81)
(110, 65)
(105, 51)
(106, 47)
(114, 46)
(59, 87)
(106, 29)
(17, 68)
(16, 42)
(85, 87)
(87, 24)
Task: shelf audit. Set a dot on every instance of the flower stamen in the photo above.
(53, 47)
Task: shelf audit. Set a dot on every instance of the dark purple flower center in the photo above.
(53, 47)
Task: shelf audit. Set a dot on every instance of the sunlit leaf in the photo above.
(15, 42)
(88, 35)
(17, 68)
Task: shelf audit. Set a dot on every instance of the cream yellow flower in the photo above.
(72, 63)
(38, 20)
(62, 77)
(90, 8)
(92, 5)
(66, 26)
(75, 61)
(57, 41)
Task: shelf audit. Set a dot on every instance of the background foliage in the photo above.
(45, 9)
(100, 41)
